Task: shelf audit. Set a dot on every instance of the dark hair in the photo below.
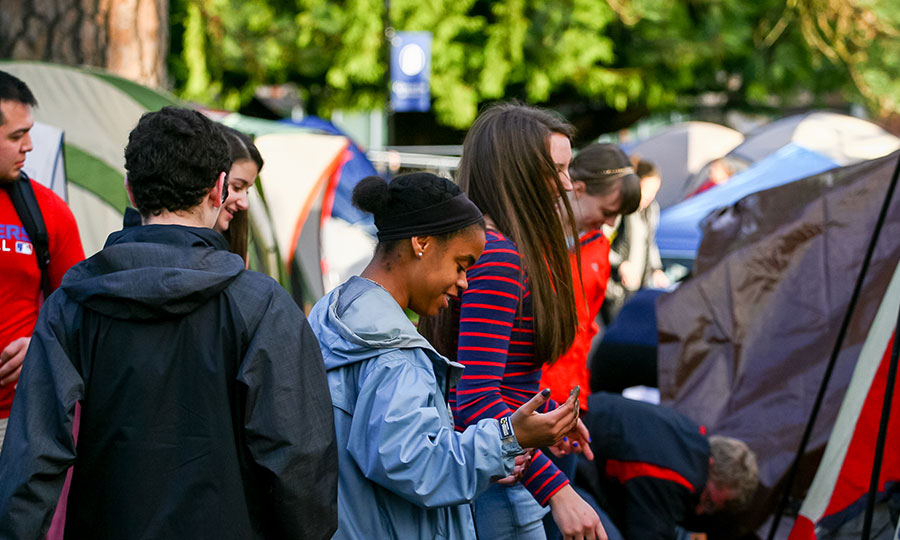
(643, 168)
(405, 193)
(173, 159)
(508, 171)
(603, 167)
(14, 89)
(240, 146)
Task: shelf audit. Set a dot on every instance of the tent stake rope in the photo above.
(839, 341)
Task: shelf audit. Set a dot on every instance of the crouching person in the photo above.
(204, 403)
(657, 474)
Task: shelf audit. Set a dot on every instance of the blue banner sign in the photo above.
(411, 72)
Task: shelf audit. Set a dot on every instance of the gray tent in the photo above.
(680, 151)
(844, 139)
(743, 345)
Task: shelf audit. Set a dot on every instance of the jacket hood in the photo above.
(360, 316)
(153, 271)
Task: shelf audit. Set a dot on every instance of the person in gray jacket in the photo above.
(204, 403)
(634, 255)
(404, 471)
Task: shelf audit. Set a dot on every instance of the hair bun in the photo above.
(371, 194)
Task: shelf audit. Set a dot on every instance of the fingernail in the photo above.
(565, 438)
(590, 439)
(545, 392)
(575, 444)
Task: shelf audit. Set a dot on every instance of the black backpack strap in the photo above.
(26, 205)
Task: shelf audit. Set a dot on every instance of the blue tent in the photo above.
(679, 232)
(354, 170)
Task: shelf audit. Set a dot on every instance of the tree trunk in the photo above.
(126, 37)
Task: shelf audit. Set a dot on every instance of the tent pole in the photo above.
(842, 333)
(882, 434)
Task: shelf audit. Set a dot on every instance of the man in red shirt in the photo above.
(20, 284)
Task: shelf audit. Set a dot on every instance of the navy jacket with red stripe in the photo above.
(651, 462)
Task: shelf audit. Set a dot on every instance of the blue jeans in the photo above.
(508, 513)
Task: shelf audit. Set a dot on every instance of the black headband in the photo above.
(441, 218)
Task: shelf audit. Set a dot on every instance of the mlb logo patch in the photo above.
(24, 248)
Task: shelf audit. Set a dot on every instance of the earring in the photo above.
(420, 254)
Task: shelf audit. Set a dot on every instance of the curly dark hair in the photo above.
(173, 159)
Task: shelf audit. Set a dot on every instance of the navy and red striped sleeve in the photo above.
(494, 383)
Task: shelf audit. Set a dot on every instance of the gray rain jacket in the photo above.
(404, 472)
(204, 406)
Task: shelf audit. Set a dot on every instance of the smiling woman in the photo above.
(605, 186)
(429, 234)
(405, 472)
(233, 221)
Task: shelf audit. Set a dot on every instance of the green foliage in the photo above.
(618, 54)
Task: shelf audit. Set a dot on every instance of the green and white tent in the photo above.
(95, 111)
(84, 116)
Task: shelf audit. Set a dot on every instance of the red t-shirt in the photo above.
(20, 278)
(571, 368)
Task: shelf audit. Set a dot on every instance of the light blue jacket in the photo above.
(404, 472)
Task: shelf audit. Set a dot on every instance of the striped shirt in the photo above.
(496, 346)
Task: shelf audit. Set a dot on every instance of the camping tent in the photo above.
(355, 169)
(836, 496)
(300, 184)
(348, 233)
(744, 344)
(297, 202)
(680, 151)
(678, 234)
(844, 139)
(46, 162)
(96, 111)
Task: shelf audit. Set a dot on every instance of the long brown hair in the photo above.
(238, 234)
(507, 171)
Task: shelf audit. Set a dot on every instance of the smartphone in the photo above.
(574, 392)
